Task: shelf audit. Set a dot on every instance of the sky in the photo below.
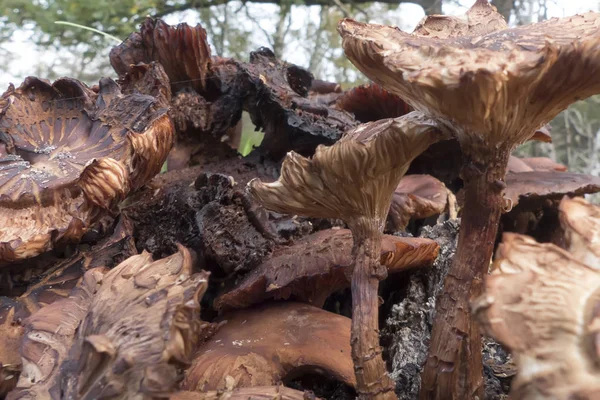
(25, 54)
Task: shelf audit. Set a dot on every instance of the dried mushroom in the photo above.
(250, 393)
(512, 81)
(541, 302)
(70, 156)
(122, 333)
(314, 268)
(55, 284)
(264, 345)
(354, 180)
(417, 197)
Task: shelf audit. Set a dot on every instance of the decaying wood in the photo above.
(262, 346)
(121, 333)
(314, 268)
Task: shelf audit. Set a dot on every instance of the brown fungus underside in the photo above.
(354, 180)
(542, 303)
(68, 155)
(512, 81)
(56, 283)
(314, 268)
(122, 333)
(265, 345)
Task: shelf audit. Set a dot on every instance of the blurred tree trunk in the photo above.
(504, 7)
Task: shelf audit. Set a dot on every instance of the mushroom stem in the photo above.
(454, 367)
(372, 379)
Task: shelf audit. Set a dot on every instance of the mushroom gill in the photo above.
(123, 333)
(70, 156)
(354, 180)
(542, 303)
(511, 81)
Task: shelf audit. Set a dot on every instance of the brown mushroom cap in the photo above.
(354, 177)
(544, 164)
(312, 269)
(581, 224)
(261, 346)
(417, 197)
(372, 102)
(517, 165)
(512, 80)
(536, 186)
(247, 393)
(70, 155)
(120, 334)
(541, 302)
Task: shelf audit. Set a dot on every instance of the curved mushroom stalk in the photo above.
(312, 269)
(122, 333)
(542, 303)
(354, 180)
(264, 345)
(512, 81)
(69, 155)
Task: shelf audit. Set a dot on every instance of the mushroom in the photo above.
(122, 333)
(354, 180)
(529, 164)
(511, 81)
(312, 269)
(544, 164)
(418, 197)
(265, 345)
(372, 102)
(542, 303)
(56, 283)
(71, 156)
(247, 393)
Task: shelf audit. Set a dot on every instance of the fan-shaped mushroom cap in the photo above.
(121, 334)
(541, 302)
(71, 154)
(261, 346)
(312, 269)
(354, 177)
(250, 393)
(512, 81)
(417, 197)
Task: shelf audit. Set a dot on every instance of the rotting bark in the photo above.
(407, 328)
(456, 338)
(373, 381)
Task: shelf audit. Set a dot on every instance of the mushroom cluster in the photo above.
(325, 263)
